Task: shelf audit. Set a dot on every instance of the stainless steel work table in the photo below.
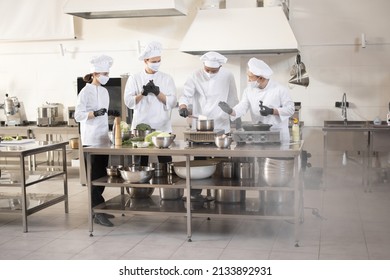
(30, 148)
(181, 148)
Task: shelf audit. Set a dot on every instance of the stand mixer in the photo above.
(12, 111)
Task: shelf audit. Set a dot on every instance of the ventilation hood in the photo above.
(99, 9)
(263, 30)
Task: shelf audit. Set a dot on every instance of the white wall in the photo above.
(328, 33)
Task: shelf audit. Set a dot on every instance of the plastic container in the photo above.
(295, 131)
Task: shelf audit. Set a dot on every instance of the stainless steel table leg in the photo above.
(24, 196)
(188, 201)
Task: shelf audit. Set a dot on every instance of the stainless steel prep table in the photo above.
(181, 148)
(23, 151)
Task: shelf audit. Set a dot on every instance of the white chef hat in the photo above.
(101, 63)
(213, 59)
(259, 68)
(153, 49)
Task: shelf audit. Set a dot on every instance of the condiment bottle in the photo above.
(295, 131)
(118, 135)
(388, 116)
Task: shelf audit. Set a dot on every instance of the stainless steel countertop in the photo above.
(181, 148)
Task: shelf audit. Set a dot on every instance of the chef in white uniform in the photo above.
(152, 102)
(206, 87)
(268, 101)
(92, 113)
(152, 95)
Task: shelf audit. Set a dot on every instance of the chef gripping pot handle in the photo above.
(264, 110)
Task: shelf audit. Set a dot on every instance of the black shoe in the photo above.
(109, 216)
(101, 219)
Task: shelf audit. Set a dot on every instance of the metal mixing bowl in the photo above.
(142, 133)
(163, 142)
(136, 174)
(223, 141)
(113, 170)
(139, 192)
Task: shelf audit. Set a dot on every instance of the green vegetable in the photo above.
(143, 127)
(124, 126)
(148, 137)
(164, 134)
(8, 138)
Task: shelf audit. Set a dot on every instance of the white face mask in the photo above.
(154, 66)
(103, 79)
(210, 75)
(253, 84)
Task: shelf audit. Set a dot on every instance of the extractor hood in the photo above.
(99, 9)
(263, 30)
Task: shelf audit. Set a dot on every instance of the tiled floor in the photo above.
(340, 222)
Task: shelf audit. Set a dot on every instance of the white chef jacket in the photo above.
(93, 131)
(150, 110)
(273, 95)
(204, 94)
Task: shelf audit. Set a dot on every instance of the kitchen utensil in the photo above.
(139, 192)
(142, 133)
(223, 141)
(171, 193)
(199, 169)
(113, 170)
(256, 126)
(244, 170)
(164, 141)
(160, 169)
(136, 174)
(229, 196)
(276, 172)
(205, 125)
(74, 143)
(299, 74)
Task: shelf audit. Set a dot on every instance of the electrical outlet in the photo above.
(338, 104)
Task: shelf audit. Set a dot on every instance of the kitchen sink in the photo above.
(348, 124)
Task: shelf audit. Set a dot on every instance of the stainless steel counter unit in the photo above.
(252, 209)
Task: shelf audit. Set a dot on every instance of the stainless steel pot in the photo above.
(171, 193)
(48, 112)
(205, 125)
(229, 196)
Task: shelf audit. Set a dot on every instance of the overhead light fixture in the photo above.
(101, 9)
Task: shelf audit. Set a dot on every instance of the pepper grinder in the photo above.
(118, 136)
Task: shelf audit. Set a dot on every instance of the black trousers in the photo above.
(98, 164)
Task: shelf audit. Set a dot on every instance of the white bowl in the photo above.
(200, 169)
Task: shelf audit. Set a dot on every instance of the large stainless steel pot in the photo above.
(205, 125)
(48, 112)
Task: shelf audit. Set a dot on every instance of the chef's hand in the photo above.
(265, 111)
(155, 90)
(114, 113)
(146, 90)
(183, 112)
(99, 112)
(225, 107)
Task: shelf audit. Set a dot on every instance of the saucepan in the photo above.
(256, 126)
(204, 125)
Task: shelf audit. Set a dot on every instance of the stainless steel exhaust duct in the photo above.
(100, 9)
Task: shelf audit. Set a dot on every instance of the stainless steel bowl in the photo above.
(139, 192)
(136, 174)
(163, 142)
(142, 133)
(126, 135)
(113, 170)
(171, 193)
(223, 141)
(205, 125)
